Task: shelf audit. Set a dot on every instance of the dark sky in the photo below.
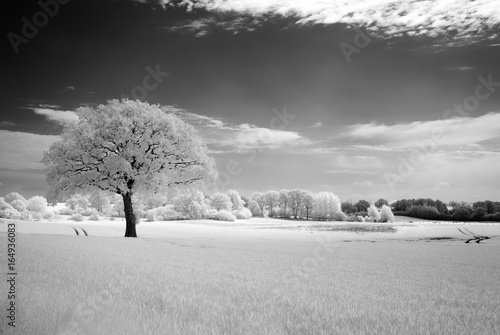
(232, 63)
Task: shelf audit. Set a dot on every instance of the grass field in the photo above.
(211, 278)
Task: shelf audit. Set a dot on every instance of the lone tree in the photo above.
(126, 147)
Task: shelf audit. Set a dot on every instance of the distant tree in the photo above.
(296, 197)
(373, 213)
(235, 199)
(37, 204)
(284, 201)
(100, 200)
(386, 214)
(78, 200)
(271, 199)
(491, 207)
(479, 214)
(260, 199)
(254, 207)
(221, 202)
(308, 203)
(11, 197)
(245, 201)
(348, 207)
(461, 214)
(441, 207)
(326, 206)
(127, 147)
(192, 205)
(362, 206)
(380, 202)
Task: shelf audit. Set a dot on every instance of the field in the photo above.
(255, 277)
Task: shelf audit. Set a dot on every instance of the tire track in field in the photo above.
(473, 236)
(78, 233)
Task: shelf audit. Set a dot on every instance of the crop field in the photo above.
(193, 278)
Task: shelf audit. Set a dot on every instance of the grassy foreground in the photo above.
(236, 284)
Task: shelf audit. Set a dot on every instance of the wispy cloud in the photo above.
(316, 125)
(239, 137)
(22, 150)
(7, 124)
(455, 19)
(462, 131)
(57, 116)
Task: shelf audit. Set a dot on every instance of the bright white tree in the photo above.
(127, 147)
(254, 208)
(235, 199)
(386, 214)
(308, 202)
(284, 201)
(260, 199)
(296, 197)
(37, 204)
(271, 199)
(326, 206)
(373, 213)
(221, 202)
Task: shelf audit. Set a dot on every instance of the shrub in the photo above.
(19, 205)
(386, 214)
(13, 196)
(78, 200)
(493, 217)
(37, 204)
(340, 216)
(221, 201)
(223, 216)
(192, 206)
(165, 213)
(48, 216)
(65, 211)
(373, 213)
(424, 212)
(361, 218)
(7, 211)
(87, 211)
(461, 214)
(243, 214)
(236, 201)
(351, 218)
(36, 216)
(76, 217)
(94, 217)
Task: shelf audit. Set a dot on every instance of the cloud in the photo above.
(441, 185)
(358, 162)
(363, 184)
(69, 88)
(239, 137)
(7, 124)
(453, 132)
(459, 20)
(316, 125)
(58, 116)
(22, 150)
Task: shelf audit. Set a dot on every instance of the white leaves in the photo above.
(127, 145)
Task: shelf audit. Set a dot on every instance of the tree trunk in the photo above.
(129, 215)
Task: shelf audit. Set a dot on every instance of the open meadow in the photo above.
(257, 276)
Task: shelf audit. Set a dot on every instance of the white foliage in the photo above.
(7, 211)
(373, 213)
(326, 206)
(222, 216)
(243, 214)
(37, 204)
(221, 201)
(254, 208)
(386, 214)
(236, 201)
(271, 201)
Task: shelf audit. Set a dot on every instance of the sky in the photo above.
(365, 99)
